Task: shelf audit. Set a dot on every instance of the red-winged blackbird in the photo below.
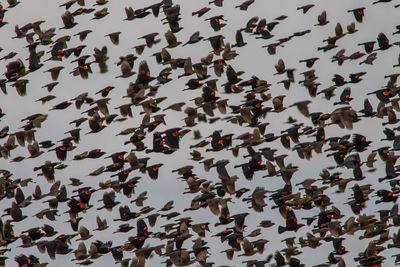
(356, 77)
(358, 13)
(291, 222)
(103, 248)
(215, 22)
(153, 170)
(383, 41)
(383, 95)
(162, 77)
(320, 136)
(217, 143)
(172, 137)
(144, 76)
(57, 52)
(158, 144)
(128, 188)
(193, 84)
(310, 61)
(61, 151)
(386, 196)
(117, 253)
(122, 175)
(338, 80)
(75, 206)
(345, 97)
(368, 46)
(47, 170)
(142, 229)
(251, 25)
(117, 157)
(85, 194)
(68, 20)
(4, 132)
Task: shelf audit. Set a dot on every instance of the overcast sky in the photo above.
(252, 60)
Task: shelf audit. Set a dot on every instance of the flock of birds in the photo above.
(237, 169)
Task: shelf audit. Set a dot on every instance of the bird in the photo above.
(305, 8)
(358, 13)
(339, 142)
(322, 19)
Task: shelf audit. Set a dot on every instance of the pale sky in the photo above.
(252, 59)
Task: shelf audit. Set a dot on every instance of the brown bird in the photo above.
(34, 150)
(322, 20)
(126, 70)
(171, 39)
(83, 34)
(55, 72)
(114, 37)
(45, 99)
(306, 8)
(20, 86)
(150, 39)
(68, 20)
(280, 67)
(81, 252)
(101, 224)
(84, 233)
(100, 13)
(302, 106)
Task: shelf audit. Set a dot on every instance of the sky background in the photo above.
(252, 59)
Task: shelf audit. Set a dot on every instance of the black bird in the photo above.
(172, 137)
(358, 13)
(291, 222)
(383, 42)
(61, 106)
(153, 170)
(47, 170)
(215, 22)
(95, 153)
(338, 80)
(345, 97)
(310, 61)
